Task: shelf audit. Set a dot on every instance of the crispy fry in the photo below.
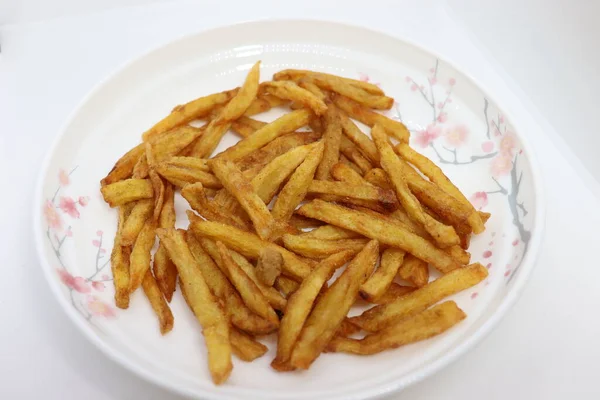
(378, 177)
(308, 84)
(354, 110)
(124, 166)
(158, 186)
(382, 278)
(174, 141)
(299, 74)
(348, 149)
(237, 312)
(376, 228)
(141, 168)
(139, 261)
(382, 316)
(180, 174)
(300, 304)
(244, 346)
(263, 103)
(359, 138)
(330, 310)
(332, 138)
(141, 211)
(185, 113)
(342, 172)
(242, 129)
(290, 91)
(285, 124)
(414, 270)
(248, 244)
(122, 192)
(286, 285)
(331, 232)
(301, 222)
(359, 95)
(444, 235)
(393, 292)
(347, 328)
(344, 160)
(232, 179)
(294, 191)
(385, 198)
(317, 248)
(119, 263)
(422, 326)
(164, 270)
(215, 326)
(268, 266)
(158, 303)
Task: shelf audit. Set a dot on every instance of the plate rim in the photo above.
(420, 373)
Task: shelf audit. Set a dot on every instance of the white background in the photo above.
(537, 58)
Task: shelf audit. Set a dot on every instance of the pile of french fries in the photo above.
(277, 214)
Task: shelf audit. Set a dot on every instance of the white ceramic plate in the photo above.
(452, 119)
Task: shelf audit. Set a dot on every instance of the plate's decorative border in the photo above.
(84, 292)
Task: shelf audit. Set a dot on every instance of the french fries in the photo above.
(261, 252)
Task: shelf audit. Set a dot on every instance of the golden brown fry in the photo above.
(393, 292)
(286, 286)
(347, 328)
(437, 176)
(119, 263)
(285, 124)
(125, 191)
(294, 191)
(377, 228)
(268, 266)
(378, 177)
(331, 232)
(164, 270)
(141, 168)
(444, 235)
(158, 303)
(141, 211)
(232, 179)
(219, 285)
(185, 113)
(385, 198)
(330, 310)
(158, 186)
(124, 166)
(301, 222)
(290, 91)
(382, 316)
(422, 326)
(300, 74)
(174, 141)
(300, 304)
(248, 244)
(139, 261)
(317, 248)
(338, 85)
(250, 293)
(359, 138)
(233, 110)
(382, 278)
(242, 129)
(342, 172)
(215, 326)
(363, 114)
(414, 270)
(263, 103)
(344, 160)
(244, 346)
(309, 85)
(348, 149)
(180, 174)
(332, 138)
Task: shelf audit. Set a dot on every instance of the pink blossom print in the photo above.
(451, 81)
(99, 308)
(63, 177)
(365, 78)
(427, 136)
(96, 243)
(456, 136)
(83, 201)
(52, 217)
(487, 147)
(442, 117)
(76, 283)
(68, 206)
(508, 143)
(479, 200)
(99, 286)
(501, 165)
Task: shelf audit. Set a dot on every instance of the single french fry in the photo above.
(247, 244)
(347, 328)
(378, 177)
(377, 228)
(330, 232)
(290, 91)
(245, 347)
(205, 306)
(139, 261)
(158, 186)
(414, 270)
(242, 129)
(359, 138)
(437, 176)
(294, 191)
(286, 285)
(301, 222)
(164, 270)
(385, 198)
(232, 179)
(238, 313)
(308, 84)
(394, 291)
(444, 235)
(141, 211)
(125, 191)
(268, 266)
(382, 278)
(344, 160)
(299, 75)
(332, 307)
(332, 138)
(317, 248)
(119, 263)
(422, 326)
(382, 316)
(123, 168)
(185, 113)
(181, 174)
(174, 141)
(348, 149)
(299, 305)
(141, 168)
(285, 124)
(158, 303)
(338, 85)
(342, 172)
(368, 117)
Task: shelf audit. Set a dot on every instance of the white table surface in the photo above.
(546, 347)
